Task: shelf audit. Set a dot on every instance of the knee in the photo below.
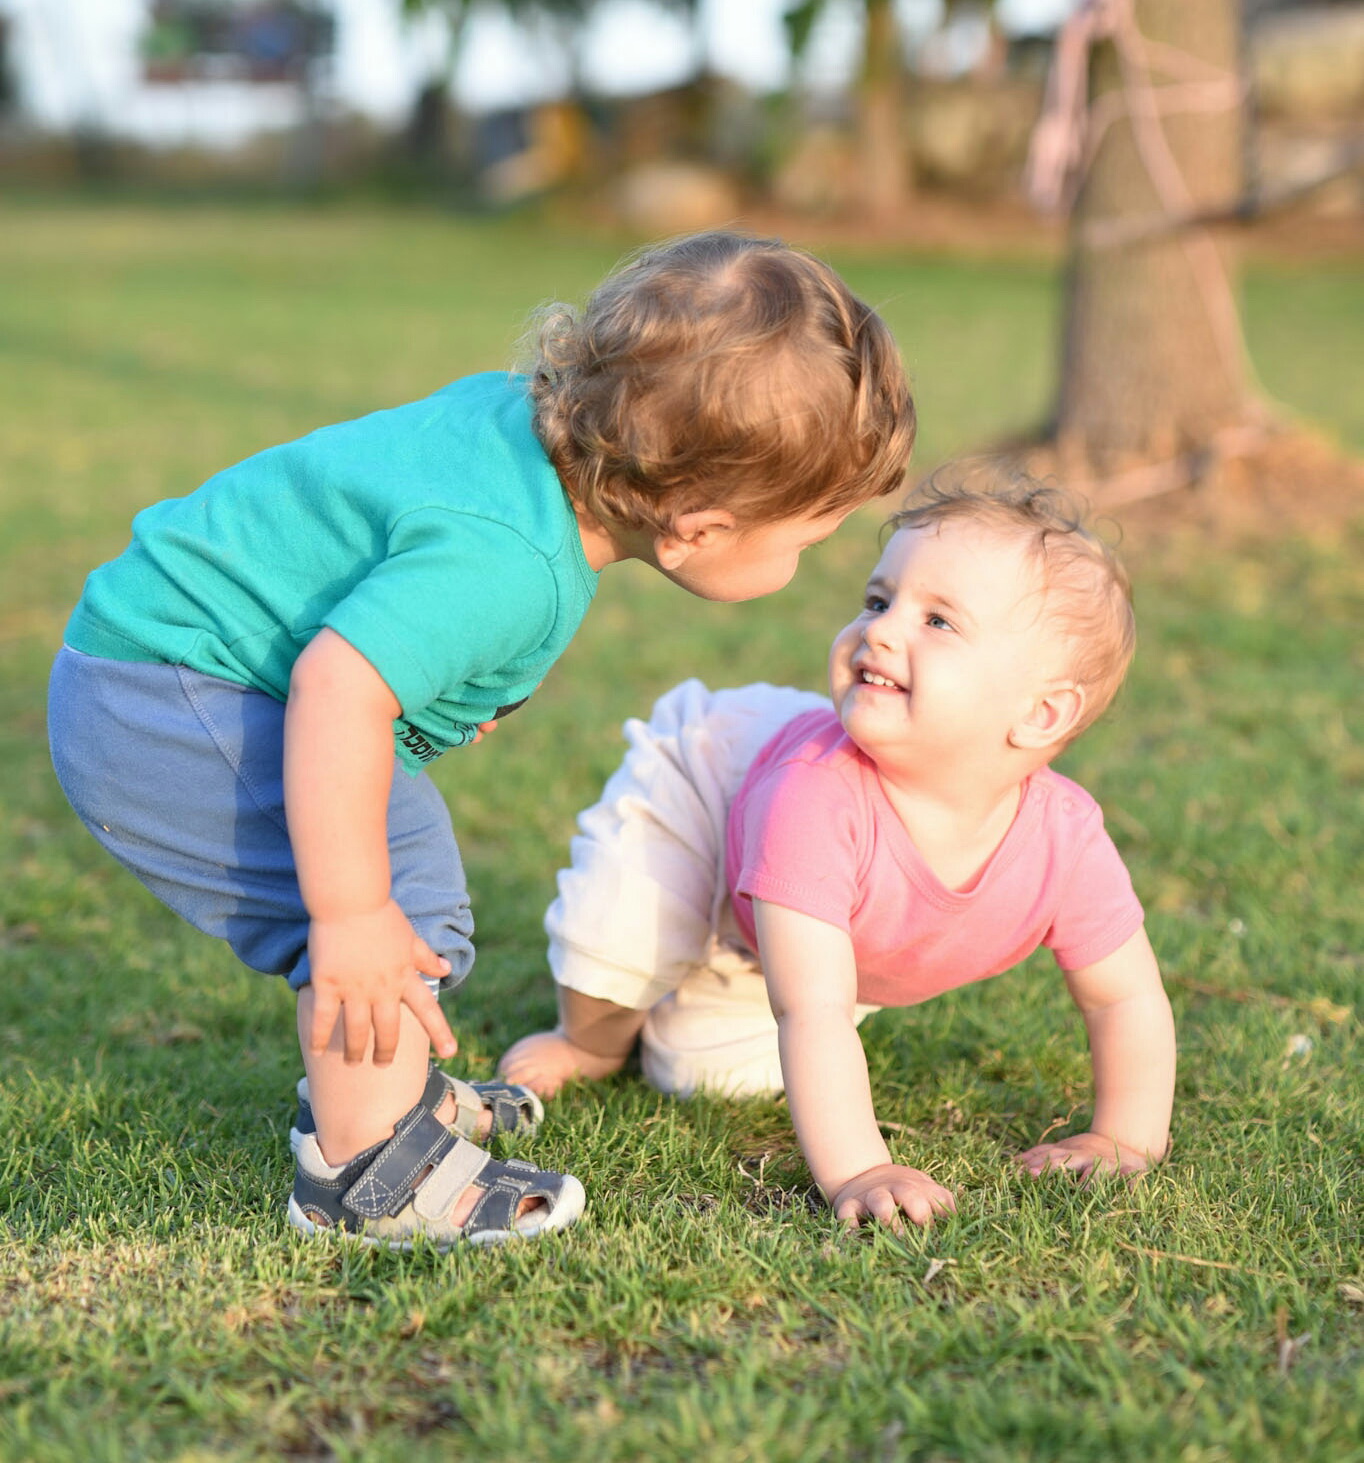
(683, 1074)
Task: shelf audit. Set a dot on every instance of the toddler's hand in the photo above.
(1085, 1155)
(364, 968)
(889, 1191)
(545, 1060)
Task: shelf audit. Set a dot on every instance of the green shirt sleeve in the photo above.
(457, 597)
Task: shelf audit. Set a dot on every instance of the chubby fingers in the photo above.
(360, 1020)
(427, 961)
(421, 1001)
(1038, 1160)
(1047, 1157)
(386, 1022)
(892, 1201)
(874, 1204)
(1083, 1162)
(326, 1011)
(356, 1026)
(922, 1202)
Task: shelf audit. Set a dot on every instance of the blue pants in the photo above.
(181, 777)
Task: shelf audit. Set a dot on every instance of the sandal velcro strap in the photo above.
(514, 1109)
(504, 1186)
(419, 1144)
(437, 1085)
(462, 1164)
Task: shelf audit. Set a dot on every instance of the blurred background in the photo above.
(658, 115)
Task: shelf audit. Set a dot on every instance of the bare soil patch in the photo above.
(1287, 483)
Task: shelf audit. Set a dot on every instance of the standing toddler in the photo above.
(249, 695)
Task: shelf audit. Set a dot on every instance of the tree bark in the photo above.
(884, 156)
(1153, 361)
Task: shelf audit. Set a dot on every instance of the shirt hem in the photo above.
(776, 891)
(1100, 947)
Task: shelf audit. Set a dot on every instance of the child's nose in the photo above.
(882, 632)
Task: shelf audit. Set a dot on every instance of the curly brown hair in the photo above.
(720, 370)
(1086, 592)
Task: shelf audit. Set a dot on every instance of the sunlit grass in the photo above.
(153, 1301)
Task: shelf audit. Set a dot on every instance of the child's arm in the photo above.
(592, 1040)
(812, 984)
(1132, 1044)
(366, 959)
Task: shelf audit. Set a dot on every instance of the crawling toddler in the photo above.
(767, 866)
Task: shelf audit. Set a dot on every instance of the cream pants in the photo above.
(643, 917)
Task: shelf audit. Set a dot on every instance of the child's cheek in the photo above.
(841, 654)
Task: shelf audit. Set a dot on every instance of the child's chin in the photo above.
(869, 720)
(853, 724)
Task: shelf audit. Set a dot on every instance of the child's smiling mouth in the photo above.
(874, 678)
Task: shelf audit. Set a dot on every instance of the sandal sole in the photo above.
(572, 1201)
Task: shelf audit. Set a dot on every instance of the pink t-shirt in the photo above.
(811, 830)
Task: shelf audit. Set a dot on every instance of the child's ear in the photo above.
(692, 531)
(1051, 718)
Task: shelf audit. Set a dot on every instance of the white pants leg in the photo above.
(715, 1030)
(643, 917)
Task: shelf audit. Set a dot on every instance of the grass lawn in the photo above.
(154, 1302)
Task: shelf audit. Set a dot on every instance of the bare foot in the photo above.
(545, 1060)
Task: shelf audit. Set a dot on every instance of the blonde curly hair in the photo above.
(720, 370)
(1085, 591)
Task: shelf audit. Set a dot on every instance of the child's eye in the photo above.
(937, 622)
(875, 604)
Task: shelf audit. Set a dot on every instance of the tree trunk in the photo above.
(884, 157)
(1153, 361)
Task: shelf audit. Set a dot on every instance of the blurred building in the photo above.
(674, 109)
(207, 73)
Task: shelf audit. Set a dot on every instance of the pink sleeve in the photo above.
(797, 844)
(1098, 911)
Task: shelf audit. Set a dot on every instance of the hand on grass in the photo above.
(888, 1192)
(545, 1060)
(1085, 1155)
(365, 967)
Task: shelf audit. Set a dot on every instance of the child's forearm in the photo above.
(600, 1027)
(338, 768)
(827, 1088)
(811, 973)
(1132, 1044)
(812, 984)
(366, 959)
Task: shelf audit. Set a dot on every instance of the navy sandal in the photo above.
(404, 1190)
